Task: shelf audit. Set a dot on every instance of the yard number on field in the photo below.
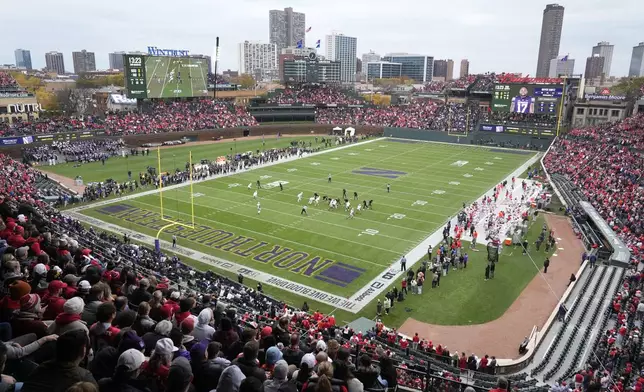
(419, 203)
(353, 153)
(489, 163)
(233, 185)
(454, 183)
(460, 163)
(291, 170)
(315, 163)
(396, 216)
(264, 177)
(197, 194)
(368, 149)
(438, 192)
(369, 232)
(335, 158)
(479, 169)
(467, 175)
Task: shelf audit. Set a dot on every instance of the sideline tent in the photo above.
(349, 131)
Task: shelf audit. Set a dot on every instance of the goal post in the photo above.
(162, 206)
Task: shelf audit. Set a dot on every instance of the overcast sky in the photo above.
(495, 35)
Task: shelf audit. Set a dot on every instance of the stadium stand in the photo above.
(315, 95)
(7, 81)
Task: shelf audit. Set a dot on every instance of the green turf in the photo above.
(169, 77)
(464, 297)
(117, 167)
(419, 204)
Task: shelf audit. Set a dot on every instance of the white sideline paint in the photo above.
(353, 304)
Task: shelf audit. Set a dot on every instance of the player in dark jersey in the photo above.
(522, 103)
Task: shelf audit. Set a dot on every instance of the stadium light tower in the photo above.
(214, 90)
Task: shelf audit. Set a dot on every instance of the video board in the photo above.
(527, 98)
(165, 77)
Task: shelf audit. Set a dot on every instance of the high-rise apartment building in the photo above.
(636, 68)
(23, 59)
(383, 70)
(258, 59)
(594, 67)
(417, 67)
(55, 62)
(551, 26)
(465, 68)
(604, 49)
(342, 48)
(116, 60)
(371, 57)
(450, 69)
(561, 66)
(286, 28)
(84, 61)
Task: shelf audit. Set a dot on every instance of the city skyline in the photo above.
(467, 22)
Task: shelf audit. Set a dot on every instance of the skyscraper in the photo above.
(550, 37)
(605, 49)
(465, 68)
(637, 61)
(23, 59)
(562, 65)
(594, 67)
(257, 59)
(84, 61)
(55, 62)
(116, 60)
(440, 69)
(342, 48)
(450, 69)
(286, 28)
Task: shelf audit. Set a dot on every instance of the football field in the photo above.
(176, 77)
(324, 252)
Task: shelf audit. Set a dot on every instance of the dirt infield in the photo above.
(502, 336)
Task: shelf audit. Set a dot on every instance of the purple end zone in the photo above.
(372, 171)
(115, 208)
(352, 267)
(332, 281)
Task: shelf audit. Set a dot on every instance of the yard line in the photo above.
(371, 211)
(263, 234)
(321, 211)
(318, 212)
(165, 77)
(153, 72)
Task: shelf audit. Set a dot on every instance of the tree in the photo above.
(245, 80)
(631, 87)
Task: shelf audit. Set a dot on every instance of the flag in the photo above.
(299, 44)
(309, 29)
(317, 44)
(564, 58)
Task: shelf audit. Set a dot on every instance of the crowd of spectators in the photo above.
(83, 310)
(315, 95)
(606, 163)
(74, 151)
(460, 83)
(485, 82)
(7, 81)
(523, 119)
(160, 116)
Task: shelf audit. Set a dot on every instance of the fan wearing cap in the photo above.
(39, 284)
(180, 375)
(29, 318)
(17, 239)
(126, 373)
(16, 288)
(273, 354)
(53, 300)
(155, 370)
(279, 382)
(70, 318)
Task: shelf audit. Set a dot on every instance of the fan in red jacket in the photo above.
(53, 300)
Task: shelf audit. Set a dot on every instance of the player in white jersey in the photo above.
(351, 214)
(347, 205)
(333, 204)
(259, 208)
(255, 195)
(359, 207)
(250, 185)
(311, 200)
(317, 200)
(299, 196)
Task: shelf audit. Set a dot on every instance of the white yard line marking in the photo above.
(153, 73)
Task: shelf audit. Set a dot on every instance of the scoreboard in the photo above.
(135, 80)
(527, 98)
